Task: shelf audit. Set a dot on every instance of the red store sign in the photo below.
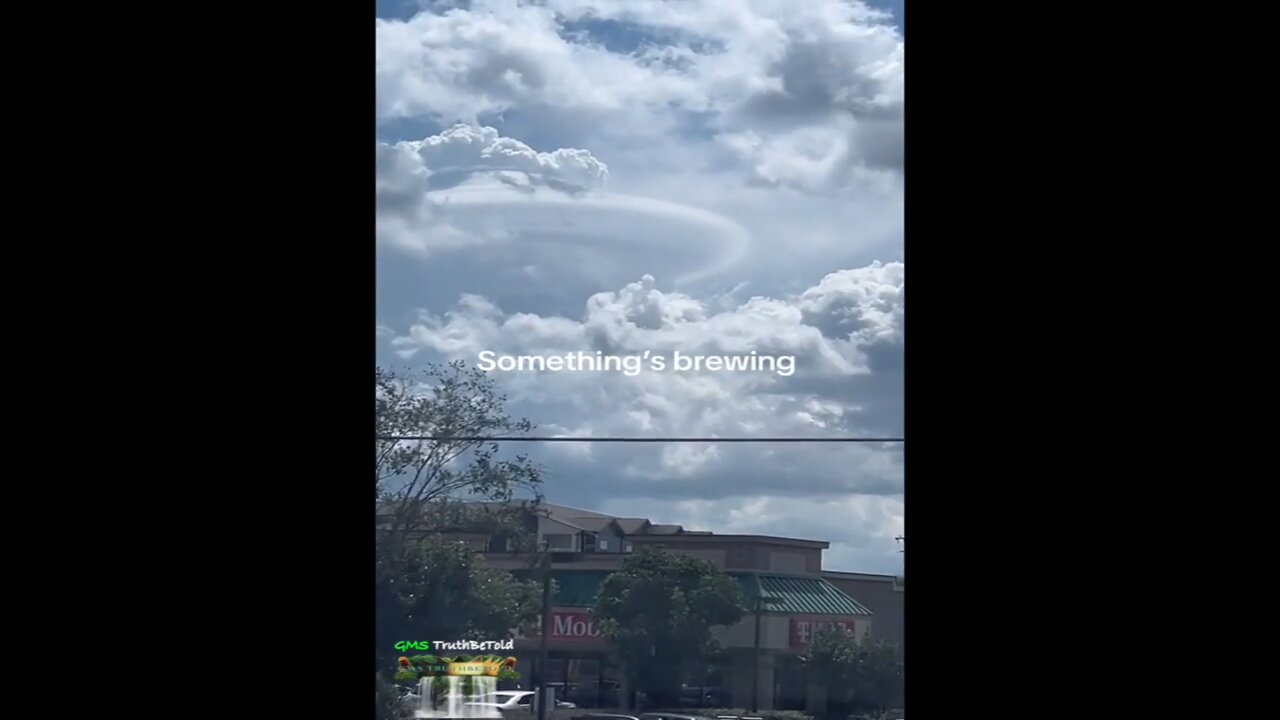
(571, 625)
(803, 628)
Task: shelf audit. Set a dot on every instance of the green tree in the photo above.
(418, 481)
(865, 675)
(878, 681)
(443, 590)
(657, 612)
(831, 656)
(431, 587)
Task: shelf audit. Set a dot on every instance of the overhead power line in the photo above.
(536, 438)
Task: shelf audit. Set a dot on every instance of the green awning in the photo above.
(798, 596)
(780, 594)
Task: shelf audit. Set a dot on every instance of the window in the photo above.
(604, 544)
(626, 546)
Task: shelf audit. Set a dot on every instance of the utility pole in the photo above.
(546, 631)
(755, 656)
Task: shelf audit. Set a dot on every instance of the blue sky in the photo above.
(404, 9)
(706, 177)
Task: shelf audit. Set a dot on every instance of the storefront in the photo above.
(577, 660)
(760, 653)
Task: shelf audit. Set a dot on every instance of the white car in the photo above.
(518, 700)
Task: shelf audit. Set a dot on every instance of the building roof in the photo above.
(594, 521)
(688, 536)
(554, 510)
(799, 596)
(782, 595)
(594, 524)
(872, 577)
(570, 523)
(632, 526)
(665, 530)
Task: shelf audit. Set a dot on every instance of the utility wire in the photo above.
(536, 438)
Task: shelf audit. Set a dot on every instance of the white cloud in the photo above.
(824, 77)
(496, 56)
(828, 329)
(750, 148)
(468, 149)
(857, 307)
(469, 187)
(821, 78)
(865, 304)
(412, 214)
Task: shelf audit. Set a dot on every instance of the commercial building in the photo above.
(787, 589)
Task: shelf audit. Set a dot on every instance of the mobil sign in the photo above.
(573, 625)
(804, 628)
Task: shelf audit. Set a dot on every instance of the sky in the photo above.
(708, 178)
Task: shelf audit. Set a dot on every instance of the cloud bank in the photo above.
(708, 177)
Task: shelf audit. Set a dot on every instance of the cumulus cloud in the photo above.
(405, 217)
(662, 176)
(469, 187)
(823, 77)
(494, 56)
(826, 328)
(468, 149)
(410, 213)
(863, 304)
(831, 330)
